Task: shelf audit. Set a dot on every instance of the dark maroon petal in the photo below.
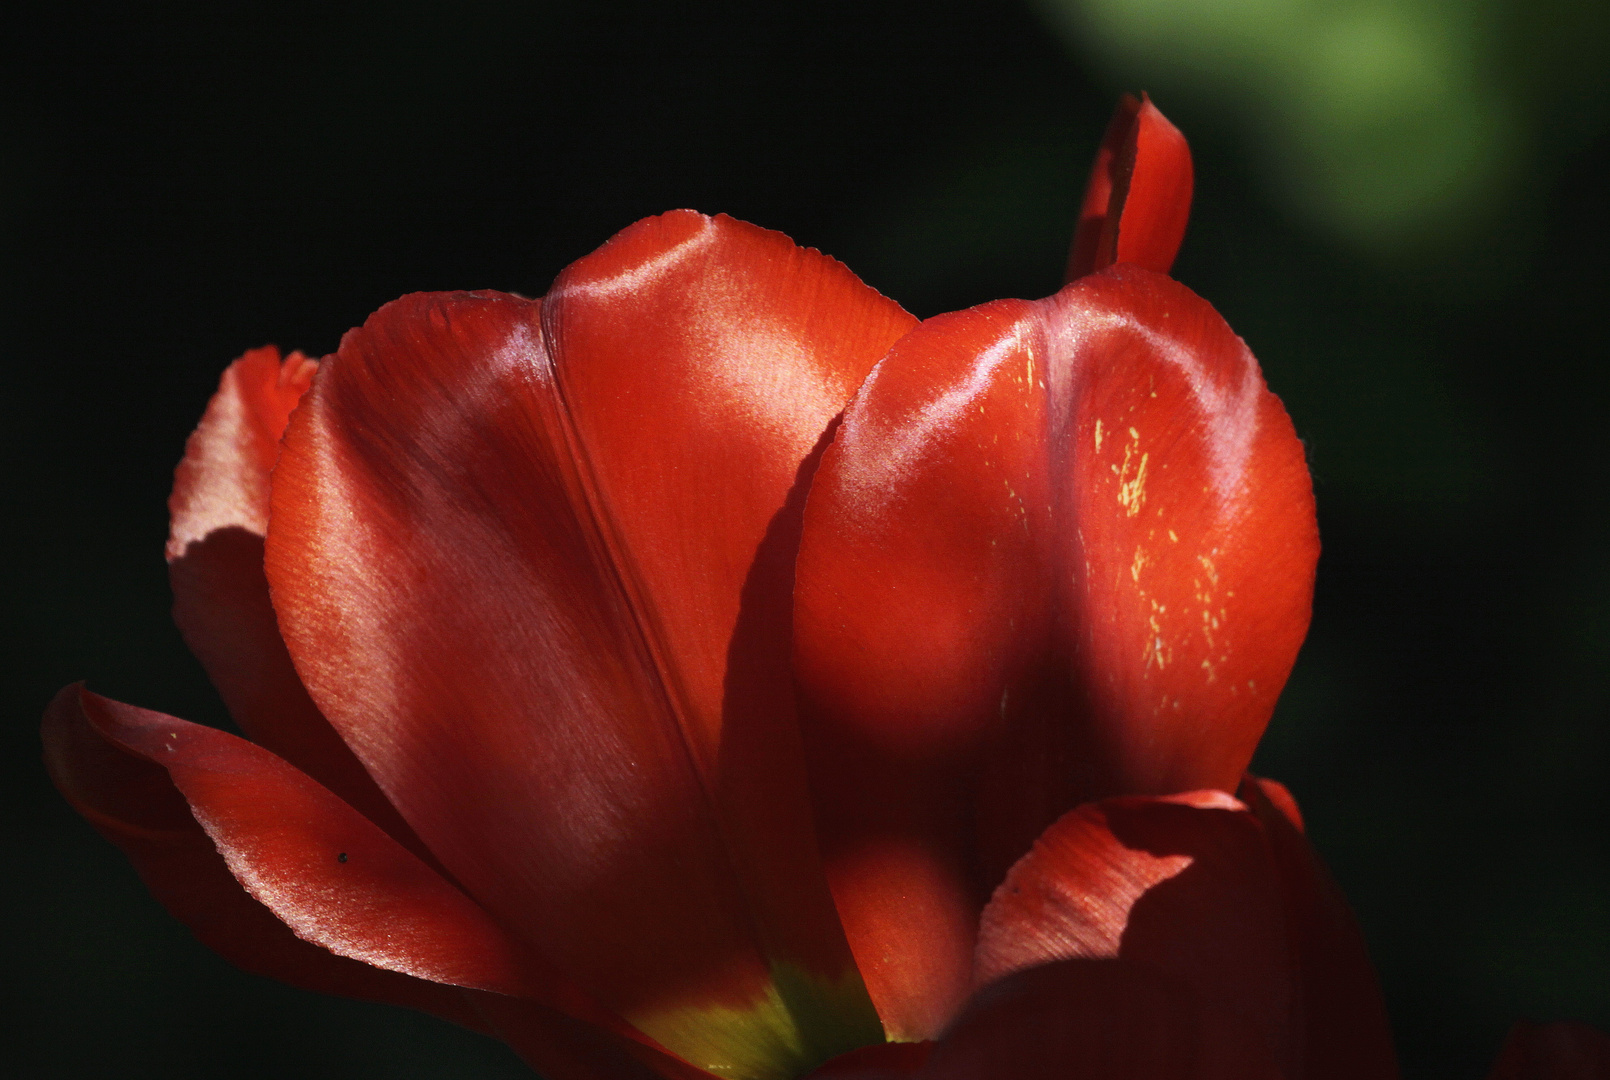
(1091, 1020)
(1563, 1050)
(881, 1061)
(1346, 1034)
(1183, 886)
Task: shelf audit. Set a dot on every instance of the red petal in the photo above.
(1089, 1020)
(445, 595)
(901, 606)
(1193, 524)
(1558, 1051)
(219, 509)
(1346, 1035)
(702, 360)
(1138, 200)
(490, 594)
(222, 482)
(118, 767)
(1183, 886)
(1057, 551)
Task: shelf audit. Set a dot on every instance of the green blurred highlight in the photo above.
(1394, 127)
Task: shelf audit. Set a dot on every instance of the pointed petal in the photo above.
(1057, 551)
(1560, 1051)
(219, 515)
(1182, 885)
(1085, 253)
(470, 616)
(1346, 1034)
(1138, 200)
(1089, 1020)
(114, 764)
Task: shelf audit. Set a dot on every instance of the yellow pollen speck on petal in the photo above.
(1098, 436)
(1132, 487)
(1156, 650)
(1172, 537)
(798, 1022)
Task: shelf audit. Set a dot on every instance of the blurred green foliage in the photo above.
(1394, 126)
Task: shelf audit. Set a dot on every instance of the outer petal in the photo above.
(1558, 1051)
(1084, 1020)
(379, 925)
(1183, 886)
(1138, 200)
(1057, 551)
(1346, 1035)
(133, 801)
(219, 509)
(480, 581)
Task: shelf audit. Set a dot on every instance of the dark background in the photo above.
(183, 181)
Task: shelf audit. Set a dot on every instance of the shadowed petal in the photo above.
(1138, 200)
(457, 564)
(883, 1061)
(1558, 1051)
(1346, 1035)
(1086, 1020)
(219, 515)
(1057, 551)
(1183, 886)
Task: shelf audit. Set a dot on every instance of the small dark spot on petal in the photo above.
(341, 857)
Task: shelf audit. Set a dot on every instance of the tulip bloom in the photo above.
(710, 669)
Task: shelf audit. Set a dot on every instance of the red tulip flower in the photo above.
(710, 669)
